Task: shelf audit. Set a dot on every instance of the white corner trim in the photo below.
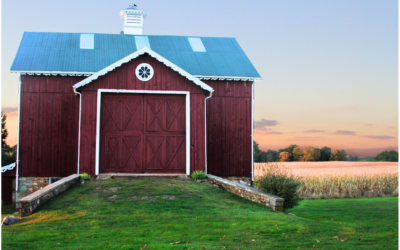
(187, 93)
(53, 73)
(137, 54)
(228, 78)
(252, 132)
(8, 167)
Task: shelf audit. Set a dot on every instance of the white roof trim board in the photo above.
(8, 167)
(228, 78)
(54, 73)
(137, 54)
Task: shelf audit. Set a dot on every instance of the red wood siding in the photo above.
(229, 129)
(49, 126)
(6, 189)
(124, 78)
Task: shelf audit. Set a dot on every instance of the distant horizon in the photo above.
(329, 68)
(361, 153)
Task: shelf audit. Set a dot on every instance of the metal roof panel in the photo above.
(39, 51)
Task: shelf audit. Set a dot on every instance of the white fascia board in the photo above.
(53, 73)
(137, 54)
(228, 78)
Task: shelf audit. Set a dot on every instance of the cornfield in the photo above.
(324, 180)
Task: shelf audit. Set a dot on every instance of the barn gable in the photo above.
(136, 54)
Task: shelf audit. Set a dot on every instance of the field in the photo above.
(340, 179)
(335, 168)
(174, 213)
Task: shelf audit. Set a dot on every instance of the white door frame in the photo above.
(124, 91)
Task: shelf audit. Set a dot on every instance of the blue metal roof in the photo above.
(61, 52)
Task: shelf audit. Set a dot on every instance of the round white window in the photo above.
(144, 72)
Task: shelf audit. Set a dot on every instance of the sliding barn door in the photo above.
(142, 133)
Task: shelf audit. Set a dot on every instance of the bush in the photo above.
(198, 175)
(85, 176)
(279, 181)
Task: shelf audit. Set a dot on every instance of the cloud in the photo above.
(314, 131)
(261, 125)
(369, 125)
(344, 132)
(378, 137)
(267, 133)
(8, 110)
(307, 138)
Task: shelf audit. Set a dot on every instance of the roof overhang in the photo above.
(229, 78)
(53, 73)
(137, 54)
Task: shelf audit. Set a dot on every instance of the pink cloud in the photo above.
(378, 137)
(344, 132)
(314, 131)
(267, 133)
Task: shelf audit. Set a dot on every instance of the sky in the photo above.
(329, 68)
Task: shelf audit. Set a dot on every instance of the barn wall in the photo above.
(229, 129)
(49, 126)
(124, 78)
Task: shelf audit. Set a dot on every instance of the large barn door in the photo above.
(165, 134)
(121, 133)
(142, 133)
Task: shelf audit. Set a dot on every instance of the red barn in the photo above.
(130, 103)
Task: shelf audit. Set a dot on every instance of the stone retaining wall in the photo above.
(30, 203)
(27, 186)
(272, 201)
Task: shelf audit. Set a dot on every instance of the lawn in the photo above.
(173, 213)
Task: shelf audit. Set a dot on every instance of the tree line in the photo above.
(294, 153)
(8, 154)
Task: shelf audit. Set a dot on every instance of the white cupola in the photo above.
(133, 20)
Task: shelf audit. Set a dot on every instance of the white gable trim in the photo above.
(137, 54)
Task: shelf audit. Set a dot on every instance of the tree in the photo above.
(352, 158)
(284, 156)
(339, 155)
(4, 132)
(7, 153)
(325, 154)
(271, 156)
(311, 154)
(297, 154)
(289, 150)
(257, 152)
(388, 156)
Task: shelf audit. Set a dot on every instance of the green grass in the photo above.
(155, 212)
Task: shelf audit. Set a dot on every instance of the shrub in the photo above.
(85, 176)
(279, 181)
(198, 175)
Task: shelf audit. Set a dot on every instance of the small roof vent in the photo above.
(133, 20)
(196, 44)
(87, 41)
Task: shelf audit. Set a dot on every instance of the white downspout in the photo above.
(79, 131)
(252, 139)
(19, 122)
(205, 129)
